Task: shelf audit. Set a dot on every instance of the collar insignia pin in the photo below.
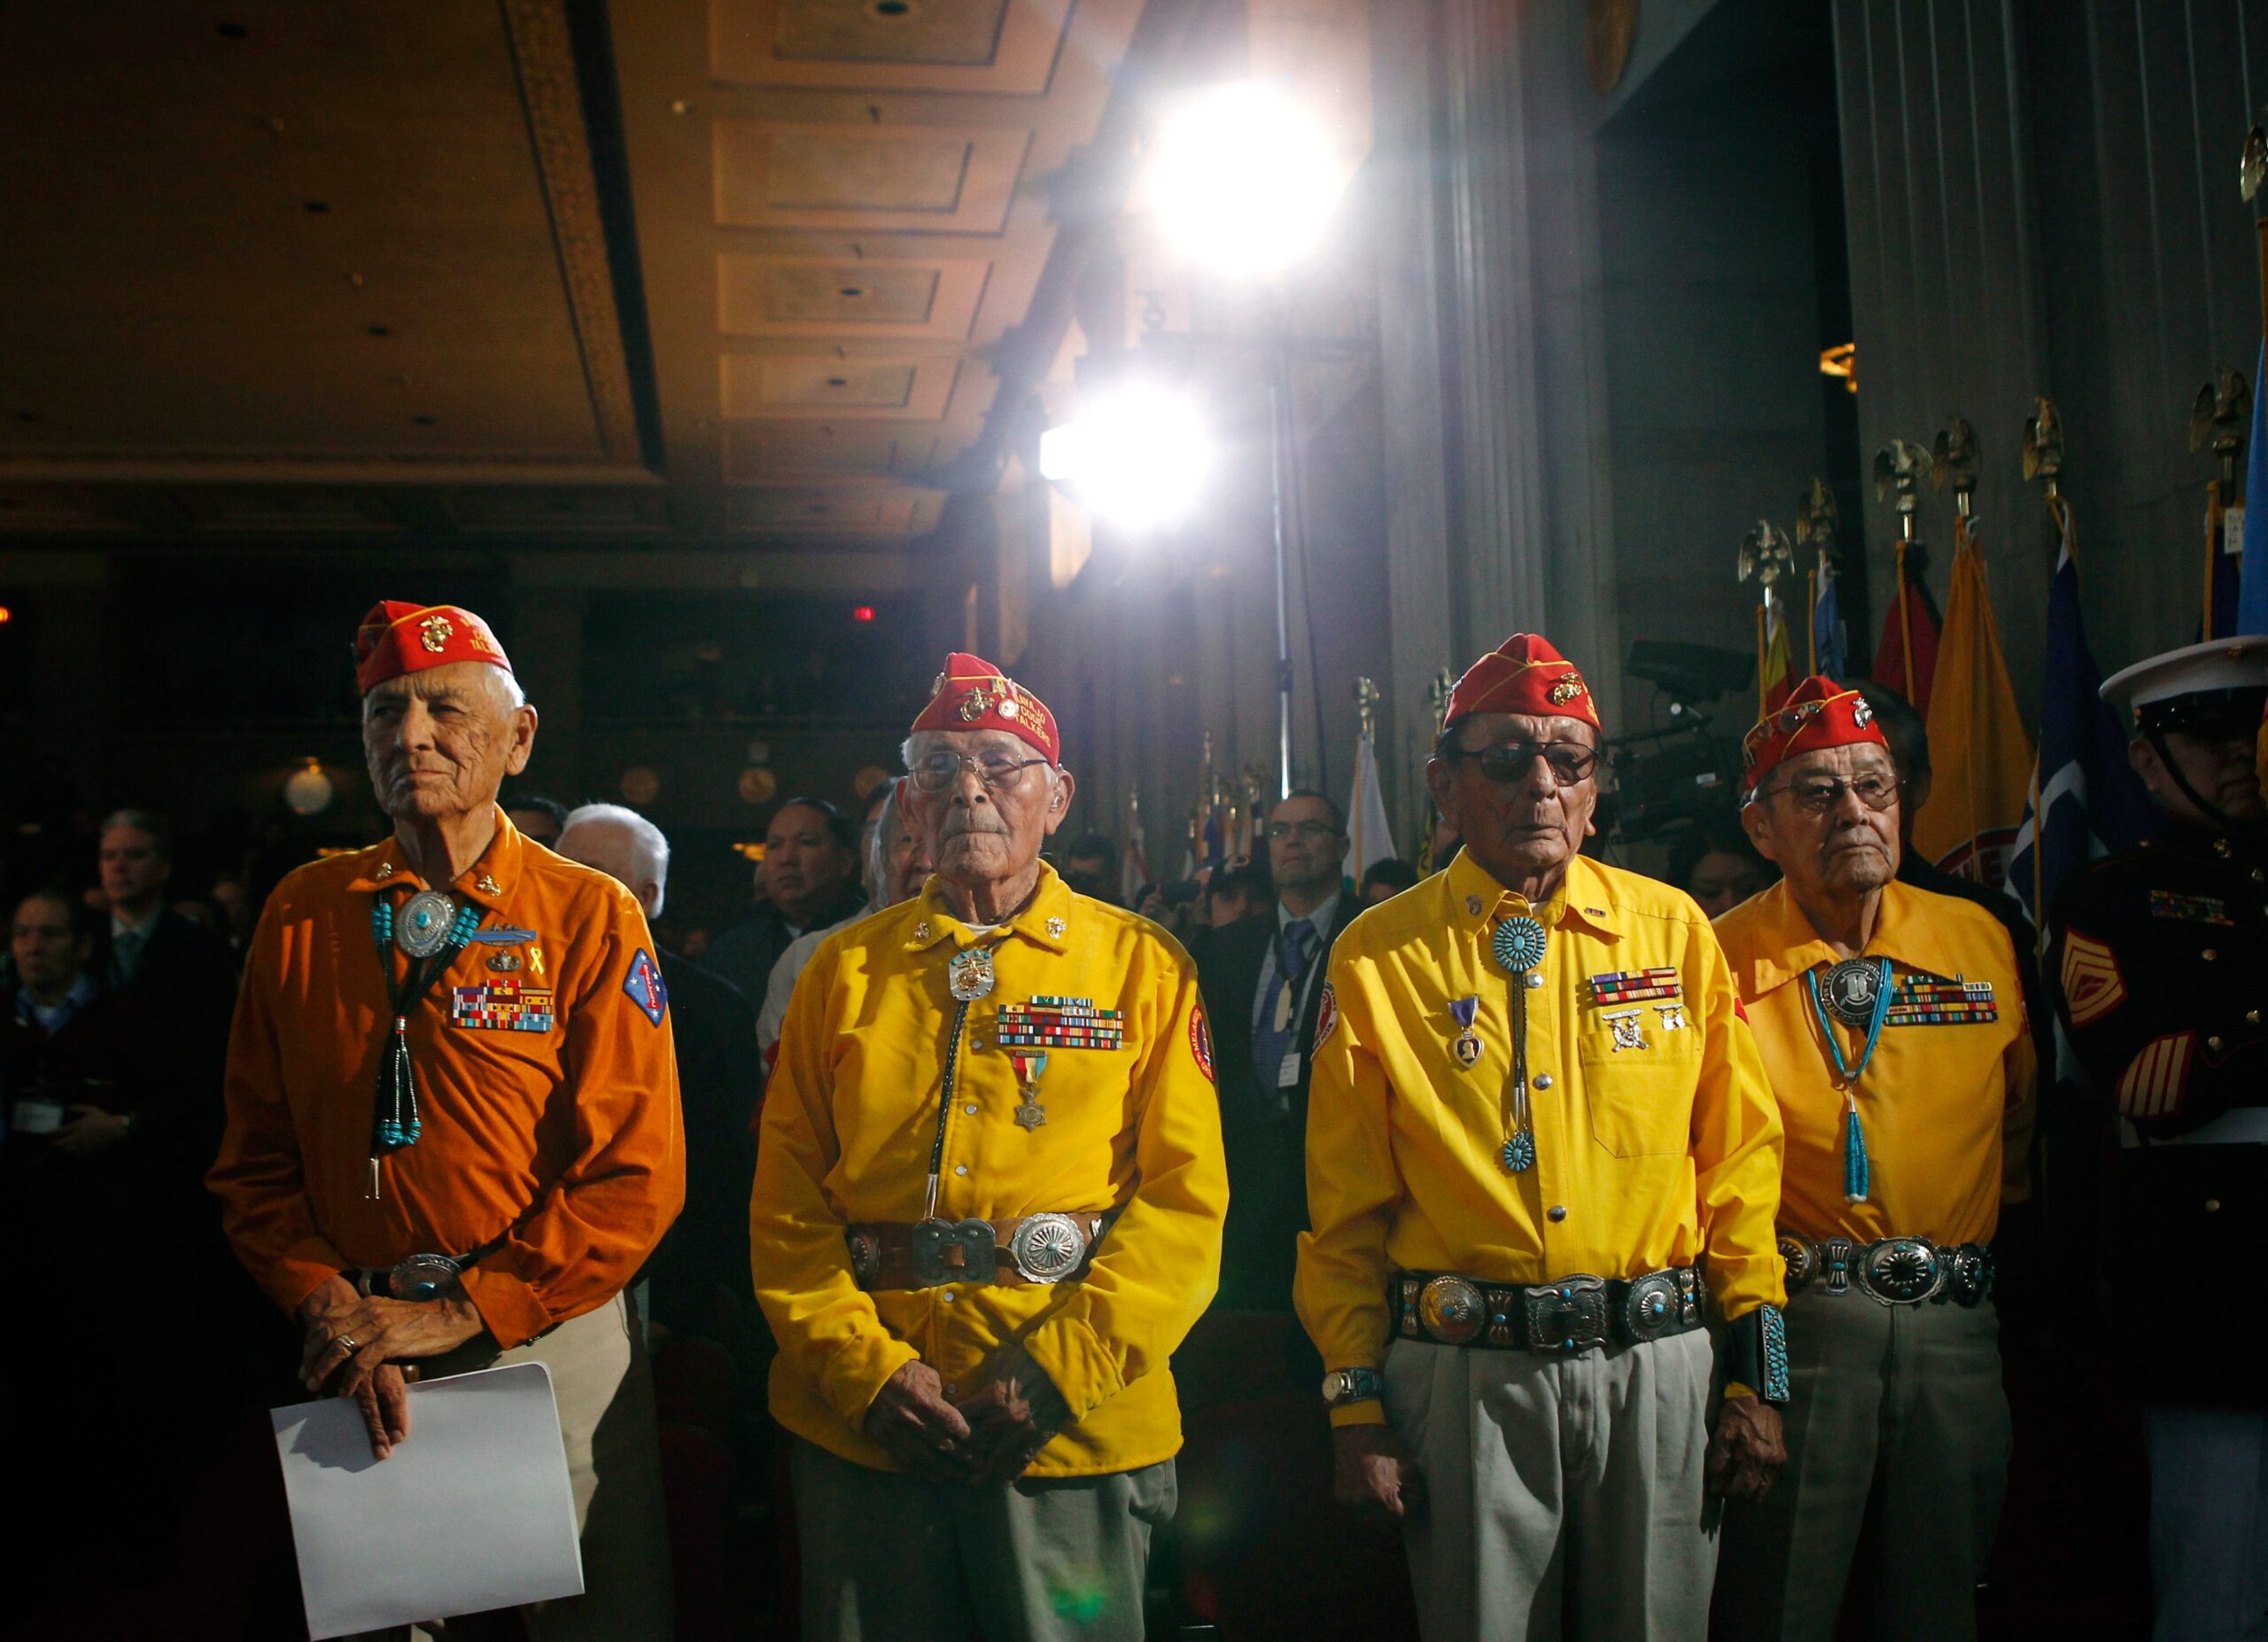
(487, 885)
(1056, 926)
(386, 870)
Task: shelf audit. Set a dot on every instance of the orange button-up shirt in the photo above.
(563, 1137)
(1946, 1104)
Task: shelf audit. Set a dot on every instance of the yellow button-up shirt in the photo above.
(1946, 1104)
(1658, 1153)
(850, 1118)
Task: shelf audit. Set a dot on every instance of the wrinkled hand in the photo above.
(923, 1432)
(1746, 1451)
(335, 1316)
(92, 1130)
(385, 1402)
(1014, 1414)
(1373, 1472)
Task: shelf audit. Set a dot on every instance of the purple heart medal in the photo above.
(1466, 1046)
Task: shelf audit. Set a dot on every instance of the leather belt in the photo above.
(1897, 1271)
(1573, 1314)
(929, 1254)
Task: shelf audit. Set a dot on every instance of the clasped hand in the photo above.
(353, 1346)
(990, 1436)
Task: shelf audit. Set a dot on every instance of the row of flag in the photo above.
(1218, 832)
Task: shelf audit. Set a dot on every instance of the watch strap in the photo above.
(1353, 1385)
(1759, 1353)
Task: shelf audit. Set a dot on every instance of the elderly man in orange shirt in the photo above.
(521, 1155)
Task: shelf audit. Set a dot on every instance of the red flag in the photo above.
(1911, 611)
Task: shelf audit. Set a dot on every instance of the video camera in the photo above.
(1686, 774)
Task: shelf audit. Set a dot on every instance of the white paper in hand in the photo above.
(472, 1511)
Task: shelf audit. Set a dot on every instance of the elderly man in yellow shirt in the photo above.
(1892, 1024)
(1541, 1153)
(988, 1206)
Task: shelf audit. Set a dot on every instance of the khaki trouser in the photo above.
(1564, 1494)
(1897, 1457)
(888, 1557)
(605, 1390)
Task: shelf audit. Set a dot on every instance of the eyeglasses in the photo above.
(1313, 831)
(1817, 796)
(996, 770)
(1508, 761)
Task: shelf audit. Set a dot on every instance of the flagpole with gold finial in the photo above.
(2043, 460)
(1766, 558)
(1898, 468)
(2221, 417)
(1952, 462)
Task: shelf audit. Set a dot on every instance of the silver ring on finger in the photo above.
(347, 1341)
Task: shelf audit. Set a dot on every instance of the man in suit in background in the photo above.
(1262, 980)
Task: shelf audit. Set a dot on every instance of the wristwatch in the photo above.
(1342, 1386)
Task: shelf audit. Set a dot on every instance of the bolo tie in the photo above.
(431, 931)
(1858, 994)
(1517, 948)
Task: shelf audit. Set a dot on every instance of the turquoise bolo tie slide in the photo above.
(1517, 948)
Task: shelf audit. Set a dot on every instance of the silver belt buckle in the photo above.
(1801, 1258)
(979, 1261)
(1452, 1310)
(1658, 1305)
(1901, 1271)
(425, 1277)
(1569, 1315)
(1047, 1248)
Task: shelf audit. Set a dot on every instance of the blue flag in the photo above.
(1827, 633)
(2252, 593)
(2085, 799)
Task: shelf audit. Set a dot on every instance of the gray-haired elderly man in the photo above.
(717, 1080)
(988, 1208)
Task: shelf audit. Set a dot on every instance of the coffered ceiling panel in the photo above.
(798, 296)
(1004, 47)
(831, 511)
(263, 508)
(555, 511)
(915, 390)
(939, 179)
(767, 453)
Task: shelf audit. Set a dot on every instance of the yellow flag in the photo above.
(1980, 755)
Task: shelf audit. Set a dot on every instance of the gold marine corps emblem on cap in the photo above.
(1564, 690)
(434, 631)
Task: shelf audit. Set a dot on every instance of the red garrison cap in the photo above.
(1524, 674)
(972, 694)
(1818, 713)
(398, 637)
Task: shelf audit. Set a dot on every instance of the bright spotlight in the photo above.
(1244, 179)
(1137, 457)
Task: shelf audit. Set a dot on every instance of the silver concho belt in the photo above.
(1897, 1271)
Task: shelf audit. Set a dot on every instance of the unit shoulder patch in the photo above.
(1200, 1042)
(1326, 1017)
(644, 985)
(2093, 985)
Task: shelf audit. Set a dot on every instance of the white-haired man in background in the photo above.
(717, 1079)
